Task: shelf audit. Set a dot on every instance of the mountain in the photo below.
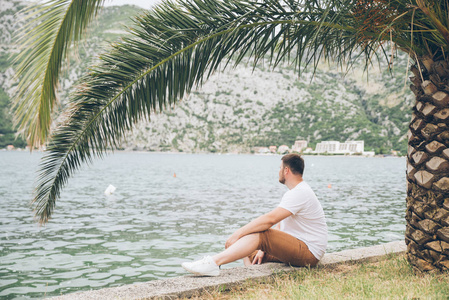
(248, 106)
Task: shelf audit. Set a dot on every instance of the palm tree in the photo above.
(45, 39)
(178, 44)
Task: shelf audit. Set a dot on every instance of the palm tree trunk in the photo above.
(427, 230)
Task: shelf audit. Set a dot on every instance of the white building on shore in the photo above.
(334, 147)
(299, 146)
(283, 149)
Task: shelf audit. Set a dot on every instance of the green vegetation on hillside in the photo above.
(7, 133)
(321, 119)
(330, 107)
(4, 61)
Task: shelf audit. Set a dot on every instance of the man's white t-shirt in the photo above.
(307, 222)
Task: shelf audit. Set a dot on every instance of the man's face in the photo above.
(281, 174)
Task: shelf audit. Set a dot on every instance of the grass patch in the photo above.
(392, 278)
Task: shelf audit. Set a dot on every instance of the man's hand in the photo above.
(232, 239)
(258, 258)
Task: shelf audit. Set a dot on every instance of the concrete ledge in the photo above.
(190, 285)
(372, 253)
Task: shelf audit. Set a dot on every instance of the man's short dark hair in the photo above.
(294, 162)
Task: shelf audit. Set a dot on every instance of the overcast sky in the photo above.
(142, 3)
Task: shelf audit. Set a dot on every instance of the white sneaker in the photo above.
(203, 267)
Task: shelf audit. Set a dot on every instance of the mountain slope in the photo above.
(246, 106)
(241, 108)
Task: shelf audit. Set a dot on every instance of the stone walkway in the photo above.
(190, 285)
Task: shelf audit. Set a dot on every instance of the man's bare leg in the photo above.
(240, 249)
(247, 261)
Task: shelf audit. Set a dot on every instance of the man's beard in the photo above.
(282, 180)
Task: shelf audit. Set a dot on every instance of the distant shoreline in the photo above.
(221, 153)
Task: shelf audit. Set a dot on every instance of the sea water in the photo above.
(169, 208)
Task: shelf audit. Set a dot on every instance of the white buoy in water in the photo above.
(110, 189)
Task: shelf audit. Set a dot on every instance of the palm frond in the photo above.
(177, 45)
(51, 28)
(424, 23)
(437, 18)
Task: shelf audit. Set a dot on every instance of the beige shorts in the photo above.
(282, 247)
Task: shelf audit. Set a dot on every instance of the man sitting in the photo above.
(298, 239)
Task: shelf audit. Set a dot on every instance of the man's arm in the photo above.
(262, 223)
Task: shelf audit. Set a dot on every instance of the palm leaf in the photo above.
(177, 45)
(45, 39)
